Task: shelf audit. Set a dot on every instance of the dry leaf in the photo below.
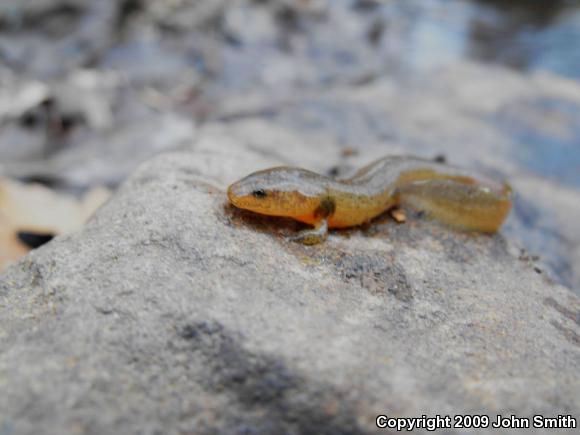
(33, 209)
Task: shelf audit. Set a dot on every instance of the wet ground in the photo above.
(283, 45)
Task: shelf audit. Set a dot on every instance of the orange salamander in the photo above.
(453, 195)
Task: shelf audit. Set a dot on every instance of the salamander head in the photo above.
(282, 191)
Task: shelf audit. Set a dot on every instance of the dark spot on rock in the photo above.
(190, 332)
(34, 240)
(377, 272)
(106, 311)
(334, 171)
(341, 170)
(274, 398)
(440, 158)
(255, 380)
(537, 270)
(457, 247)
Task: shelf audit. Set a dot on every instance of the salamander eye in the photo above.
(259, 193)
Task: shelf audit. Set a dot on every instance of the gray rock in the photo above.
(171, 312)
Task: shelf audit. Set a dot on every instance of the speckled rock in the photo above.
(171, 312)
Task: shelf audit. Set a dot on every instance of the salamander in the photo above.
(453, 195)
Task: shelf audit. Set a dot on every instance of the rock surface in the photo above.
(171, 312)
(88, 90)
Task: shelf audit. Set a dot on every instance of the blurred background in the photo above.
(91, 88)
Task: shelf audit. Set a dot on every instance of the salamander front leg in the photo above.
(314, 236)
